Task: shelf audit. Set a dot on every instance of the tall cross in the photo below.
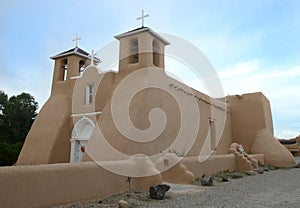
(142, 17)
(76, 39)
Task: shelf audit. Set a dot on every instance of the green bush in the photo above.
(9, 152)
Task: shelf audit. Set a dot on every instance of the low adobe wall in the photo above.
(56, 184)
(259, 157)
(214, 164)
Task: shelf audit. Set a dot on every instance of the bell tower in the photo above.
(141, 48)
(69, 64)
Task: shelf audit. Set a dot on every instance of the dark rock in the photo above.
(237, 175)
(207, 181)
(224, 179)
(266, 169)
(158, 191)
(297, 166)
(260, 171)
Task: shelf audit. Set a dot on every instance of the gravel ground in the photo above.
(276, 189)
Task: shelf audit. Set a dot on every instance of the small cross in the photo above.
(76, 39)
(142, 17)
(93, 54)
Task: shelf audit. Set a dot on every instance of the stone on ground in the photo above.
(158, 191)
(123, 204)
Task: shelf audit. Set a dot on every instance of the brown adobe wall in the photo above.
(253, 128)
(58, 184)
(214, 164)
(141, 105)
(103, 87)
(222, 120)
(48, 140)
(250, 113)
(226, 134)
(275, 153)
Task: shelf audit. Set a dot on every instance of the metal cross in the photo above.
(142, 17)
(76, 39)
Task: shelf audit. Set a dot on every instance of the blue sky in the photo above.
(253, 45)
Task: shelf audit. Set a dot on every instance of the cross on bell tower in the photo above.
(142, 17)
(141, 48)
(69, 64)
(76, 39)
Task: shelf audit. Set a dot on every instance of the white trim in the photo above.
(86, 114)
(76, 77)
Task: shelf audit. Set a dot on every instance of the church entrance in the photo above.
(81, 133)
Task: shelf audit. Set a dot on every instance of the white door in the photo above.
(80, 136)
(77, 153)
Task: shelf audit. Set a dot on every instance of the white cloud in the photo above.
(240, 69)
(287, 134)
(280, 85)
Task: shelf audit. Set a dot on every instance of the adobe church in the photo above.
(93, 115)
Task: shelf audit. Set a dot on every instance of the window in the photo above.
(212, 125)
(89, 88)
(155, 51)
(134, 51)
(64, 65)
(81, 66)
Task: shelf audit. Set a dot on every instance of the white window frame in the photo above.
(89, 90)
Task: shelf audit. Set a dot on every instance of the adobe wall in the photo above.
(57, 184)
(171, 98)
(48, 140)
(214, 164)
(226, 136)
(250, 113)
(252, 127)
(275, 153)
(219, 112)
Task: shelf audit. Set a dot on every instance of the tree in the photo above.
(3, 103)
(16, 117)
(19, 113)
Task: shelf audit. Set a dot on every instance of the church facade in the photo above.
(111, 116)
